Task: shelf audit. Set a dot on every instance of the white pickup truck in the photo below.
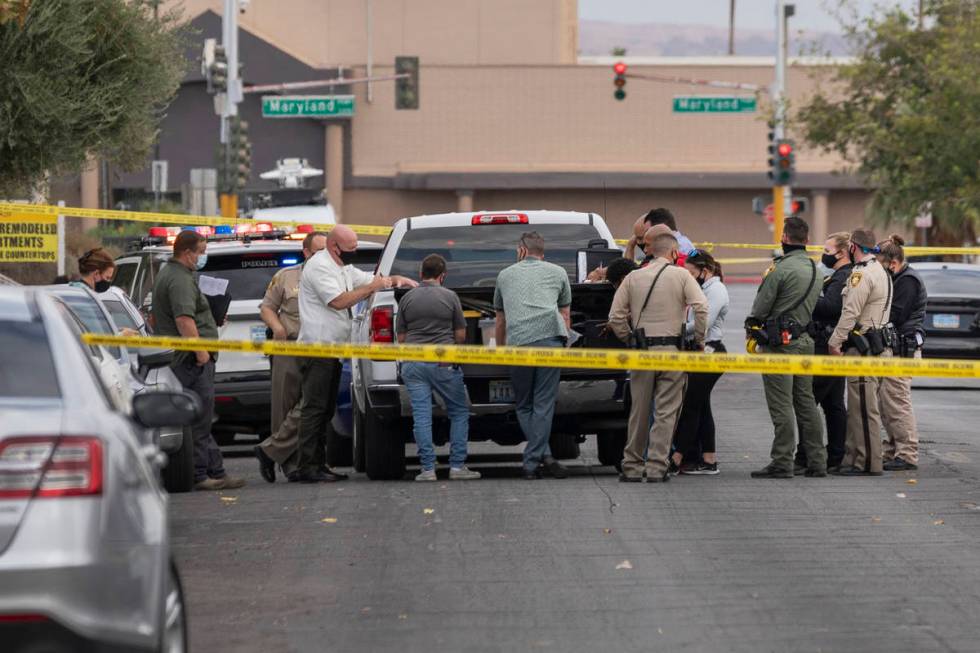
(477, 246)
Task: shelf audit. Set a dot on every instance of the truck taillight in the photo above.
(383, 324)
(499, 218)
(50, 466)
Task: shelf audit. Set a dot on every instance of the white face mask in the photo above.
(202, 260)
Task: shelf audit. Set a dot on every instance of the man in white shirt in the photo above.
(328, 290)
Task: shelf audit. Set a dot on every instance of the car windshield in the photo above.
(476, 254)
(92, 316)
(951, 282)
(119, 314)
(26, 365)
(249, 273)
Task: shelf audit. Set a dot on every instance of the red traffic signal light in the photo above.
(785, 149)
(619, 68)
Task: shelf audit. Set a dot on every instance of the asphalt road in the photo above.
(723, 563)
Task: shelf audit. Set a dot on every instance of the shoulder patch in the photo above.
(768, 270)
(855, 279)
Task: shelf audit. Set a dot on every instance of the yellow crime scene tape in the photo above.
(8, 210)
(602, 359)
(13, 210)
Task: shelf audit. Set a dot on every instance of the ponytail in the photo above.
(892, 249)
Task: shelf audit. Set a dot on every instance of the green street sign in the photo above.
(714, 104)
(307, 106)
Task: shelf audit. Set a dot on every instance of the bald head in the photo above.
(341, 239)
(664, 244)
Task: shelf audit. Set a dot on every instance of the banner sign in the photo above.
(28, 238)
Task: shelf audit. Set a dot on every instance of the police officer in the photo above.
(280, 312)
(829, 391)
(863, 331)
(778, 322)
(901, 448)
(651, 304)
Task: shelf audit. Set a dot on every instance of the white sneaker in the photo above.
(427, 475)
(463, 474)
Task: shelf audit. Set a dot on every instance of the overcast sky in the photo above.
(811, 15)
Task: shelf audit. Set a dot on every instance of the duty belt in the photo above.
(668, 341)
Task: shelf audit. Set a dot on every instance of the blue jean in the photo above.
(421, 380)
(535, 393)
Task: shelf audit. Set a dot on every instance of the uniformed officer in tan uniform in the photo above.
(280, 312)
(655, 299)
(861, 331)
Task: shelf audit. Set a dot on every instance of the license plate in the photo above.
(258, 333)
(501, 392)
(946, 321)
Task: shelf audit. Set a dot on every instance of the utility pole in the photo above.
(781, 195)
(731, 28)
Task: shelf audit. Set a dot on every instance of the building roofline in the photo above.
(721, 61)
(452, 181)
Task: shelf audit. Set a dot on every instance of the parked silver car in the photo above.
(146, 370)
(85, 560)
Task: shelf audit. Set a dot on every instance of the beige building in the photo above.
(509, 117)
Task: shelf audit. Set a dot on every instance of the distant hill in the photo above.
(598, 38)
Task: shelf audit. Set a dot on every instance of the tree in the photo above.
(618, 51)
(82, 78)
(905, 115)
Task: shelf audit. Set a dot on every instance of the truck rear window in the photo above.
(476, 254)
(249, 273)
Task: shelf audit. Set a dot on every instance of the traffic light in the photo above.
(241, 153)
(782, 163)
(799, 205)
(619, 81)
(214, 67)
(407, 88)
(235, 158)
(786, 160)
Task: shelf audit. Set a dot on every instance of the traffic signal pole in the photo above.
(781, 194)
(229, 38)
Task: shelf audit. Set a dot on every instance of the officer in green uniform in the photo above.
(777, 322)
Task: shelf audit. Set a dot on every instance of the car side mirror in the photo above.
(159, 409)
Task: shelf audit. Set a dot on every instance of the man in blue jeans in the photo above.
(432, 315)
(532, 301)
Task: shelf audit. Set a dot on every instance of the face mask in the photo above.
(202, 260)
(829, 260)
(102, 286)
(347, 257)
(642, 246)
(700, 279)
(850, 254)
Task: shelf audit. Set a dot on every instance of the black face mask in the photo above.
(850, 255)
(102, 286)
(829, 260)
(347, 258)
(642, 246)
(700, 279)
(787, 248)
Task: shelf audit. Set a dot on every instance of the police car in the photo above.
(246, 256)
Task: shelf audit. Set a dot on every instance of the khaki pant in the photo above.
(863, 446)
(666, 389)
(287, 382)
(895, 399)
